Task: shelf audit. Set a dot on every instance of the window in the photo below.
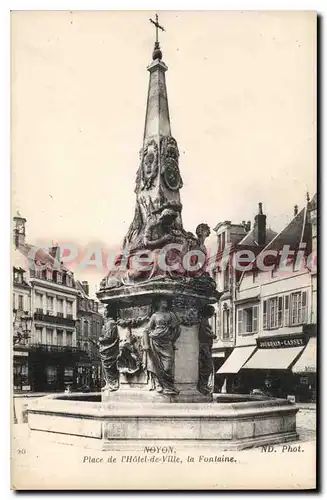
(51, 374)
(38, 335)
(18, 276)
(223, 241)
(39, 301)
(273, 308)
(69, 338)
(13, 300)
(60, 307)
(49, 336)
(219, 241)
(69, 307)
(86, 329)
(49, 304)
(98, 328)
(226, 278)
(226, 314)
(59, 337)
(273, 313)
(247, 320)
(298, 303)
(68, 374)
(59, 277)
(288, 310)
(20, 302)
(49, 274)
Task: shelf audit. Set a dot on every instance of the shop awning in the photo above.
(236, 360)
(307, 362)
(273, 359)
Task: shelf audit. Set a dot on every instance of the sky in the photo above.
(241, 91)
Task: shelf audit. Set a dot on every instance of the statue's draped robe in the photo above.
(206, 366)
(109, 351)
(160, 337)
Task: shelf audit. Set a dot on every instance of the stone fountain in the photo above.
(156, 342)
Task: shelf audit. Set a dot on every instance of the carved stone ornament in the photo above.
(188, 317)
(149, 165)
(170, 170)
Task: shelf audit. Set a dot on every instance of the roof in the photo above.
(34, 253)
(249, 240)
(80, 288)
(312, 205)
(296, 232)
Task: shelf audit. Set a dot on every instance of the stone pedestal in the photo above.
(135, 307)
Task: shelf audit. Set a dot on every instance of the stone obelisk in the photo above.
(158, 289)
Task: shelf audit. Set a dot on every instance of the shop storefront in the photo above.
(278, 366)
(88, 376)
(20, 371)
(219, 357)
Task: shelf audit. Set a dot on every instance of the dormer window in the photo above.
(69, 281)
(18, 276)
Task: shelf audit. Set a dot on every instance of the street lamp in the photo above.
(22, 327)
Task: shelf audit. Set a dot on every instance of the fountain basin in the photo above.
(230, 422)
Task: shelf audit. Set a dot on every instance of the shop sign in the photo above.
(280, 343)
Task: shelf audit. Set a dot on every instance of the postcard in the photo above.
(164, 240)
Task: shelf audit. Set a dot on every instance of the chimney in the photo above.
(54, 251)
(260, 227)
(19, 234)
(85, 285)
(296, 210)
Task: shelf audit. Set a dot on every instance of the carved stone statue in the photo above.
(149, 164)
(160, 232)
(159, 343)
(206, 337)
(203, 232)
(130, 357)
(109, 350)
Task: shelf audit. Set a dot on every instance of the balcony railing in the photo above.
(58, 320)
(55, 348)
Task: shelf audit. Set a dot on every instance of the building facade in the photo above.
(88, 330)
(232, 239)
(45, 305)
(275, 318)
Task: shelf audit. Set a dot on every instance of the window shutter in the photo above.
(280, 311)
(240, 321)
(255, 319)
(304, 307)
(287, 310)
(265, 317)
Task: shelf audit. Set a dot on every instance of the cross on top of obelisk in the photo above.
(158, 26)
(157, 52)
